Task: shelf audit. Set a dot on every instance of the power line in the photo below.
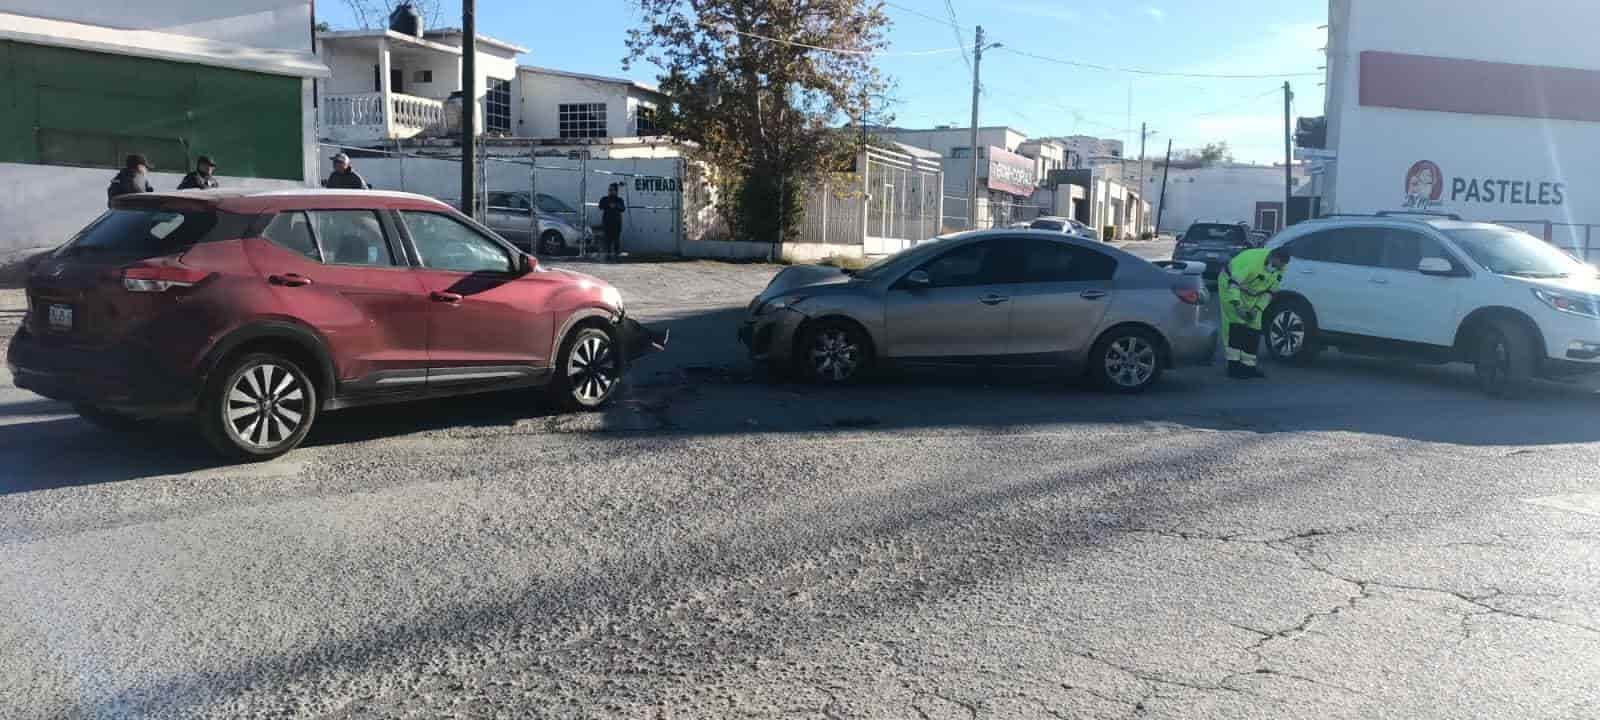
(1156, 73)
(1232, 105)
(921, 14)
(846, 51)
(955, 27)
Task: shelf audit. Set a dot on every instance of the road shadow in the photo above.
(751, 565)
(704, 385)
(69, 452)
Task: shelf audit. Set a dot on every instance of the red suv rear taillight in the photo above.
(160, 278)
(1189, 295)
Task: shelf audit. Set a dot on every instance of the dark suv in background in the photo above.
(253, 313)
(1213, 244)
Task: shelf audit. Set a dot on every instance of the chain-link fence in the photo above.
(890, 202)
(550, 203)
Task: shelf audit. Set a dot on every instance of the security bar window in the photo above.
(497, 106)
(582, 120)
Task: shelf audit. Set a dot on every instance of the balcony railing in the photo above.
(361, 116)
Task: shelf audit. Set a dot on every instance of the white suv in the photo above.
(1436, 289)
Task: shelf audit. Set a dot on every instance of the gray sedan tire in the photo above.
(833, 352)
(552, 243)
(1126, 360)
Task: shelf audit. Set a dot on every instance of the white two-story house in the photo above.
(389, 85)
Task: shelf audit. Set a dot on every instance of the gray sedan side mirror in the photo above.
(1435, 266)
(918, 279)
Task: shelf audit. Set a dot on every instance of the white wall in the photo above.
(543, 93)
(43, 205)
(1377, 146)
(274, 24)
(649, 225)
(942, 141)
(1214, 194)
(351, 66)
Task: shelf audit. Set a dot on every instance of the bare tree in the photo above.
(375, 13)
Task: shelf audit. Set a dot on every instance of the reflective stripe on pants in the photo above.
(1242, 343)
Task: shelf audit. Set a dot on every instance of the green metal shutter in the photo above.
(71, 107)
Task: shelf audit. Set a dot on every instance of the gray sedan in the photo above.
(996, 297)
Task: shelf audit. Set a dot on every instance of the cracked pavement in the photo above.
(1359, 539)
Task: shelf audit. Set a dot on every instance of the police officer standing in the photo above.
(611, 209)
(1246, 286)
(204, 175)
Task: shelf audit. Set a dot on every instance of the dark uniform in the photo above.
(347, 180)
(196, 181)
(127, 182)
(611, 210)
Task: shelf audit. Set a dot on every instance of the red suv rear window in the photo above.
(151, 232)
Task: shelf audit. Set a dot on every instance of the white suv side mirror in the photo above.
(1435, 266)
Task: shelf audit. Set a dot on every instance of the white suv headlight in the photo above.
(1568, 303)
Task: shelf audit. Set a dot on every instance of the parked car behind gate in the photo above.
(254, 313)
(558, 231)
(1004, 297)
(1436, 289)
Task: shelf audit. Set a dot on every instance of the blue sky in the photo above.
(1039, 98)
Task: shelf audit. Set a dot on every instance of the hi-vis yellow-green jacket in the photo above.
(1246, 286)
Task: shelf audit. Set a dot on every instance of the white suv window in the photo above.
(1405, 249)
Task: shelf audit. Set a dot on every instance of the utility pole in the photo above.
(1288, 155)
(469, 108)
(972, 149)
(1144, 133)
(1161, 204)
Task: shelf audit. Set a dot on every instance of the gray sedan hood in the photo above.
(795, 277)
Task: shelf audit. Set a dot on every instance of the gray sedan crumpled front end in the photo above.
(998, 297)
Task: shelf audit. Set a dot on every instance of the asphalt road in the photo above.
(1360, 539)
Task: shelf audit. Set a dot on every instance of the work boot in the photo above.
(1236, 370)
(1252, 372)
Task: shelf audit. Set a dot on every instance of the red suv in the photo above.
(255, 312)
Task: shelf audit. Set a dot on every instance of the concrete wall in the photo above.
(1378, 146)
(1215, 194)
(543, 93)
(42, 205)
(653, 223)
(943, 141)
(275, 24)
(351, 66)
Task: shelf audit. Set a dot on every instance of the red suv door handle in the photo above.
(445, 297)
(289, 280)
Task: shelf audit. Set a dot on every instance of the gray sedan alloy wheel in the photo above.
(1130, 362)
(834, 353)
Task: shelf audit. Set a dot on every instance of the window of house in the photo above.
(645, 121)
(497, 106)
(423, 76)
(581, 120)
